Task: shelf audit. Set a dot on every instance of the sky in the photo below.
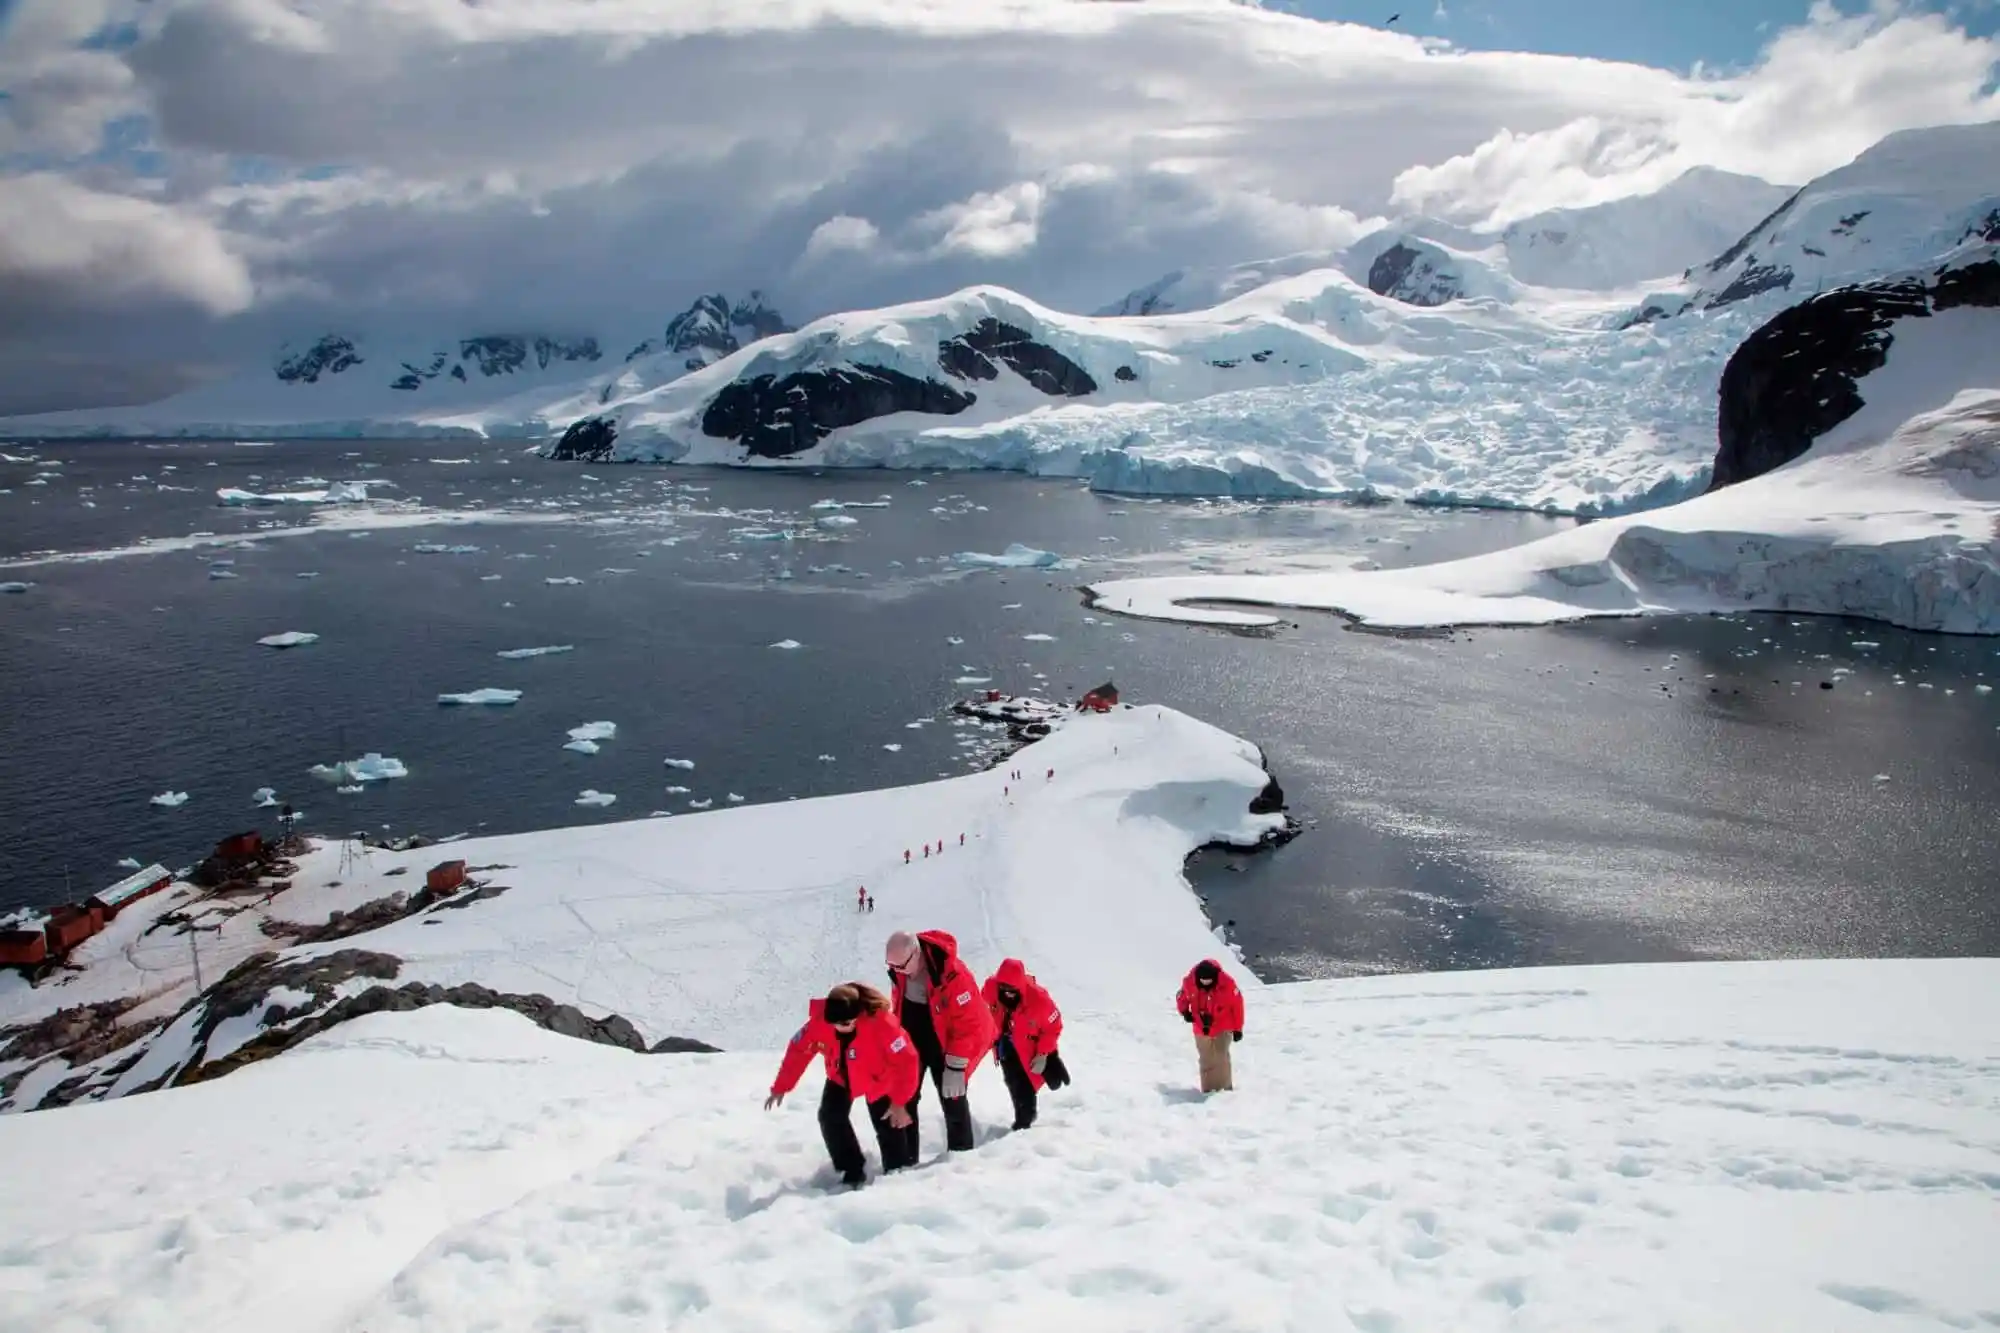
(185, 183)
(1670, 34)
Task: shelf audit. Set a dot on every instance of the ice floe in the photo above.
(488, 695)
(1016, 556)
(170, 799)
(591, 796)
(291, 638)
(370, 767)
(513, 654)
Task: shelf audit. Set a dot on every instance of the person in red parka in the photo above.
(1028, 1025)
(1210, 1001)
(936, 997)
(868, 1055)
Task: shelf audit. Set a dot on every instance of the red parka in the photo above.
(881, 1062)
(962, 1022)
(1034, 1025)
(1217, 1009)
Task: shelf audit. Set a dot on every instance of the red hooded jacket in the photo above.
(881, 1061)
(963, 1024)
(1034, 1025)
(1218, 1009)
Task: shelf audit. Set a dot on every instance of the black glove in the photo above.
(1056, 1075)
(1238, 1036)
(1207, 1027)
(1186, 1017)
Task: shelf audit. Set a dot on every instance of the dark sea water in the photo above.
(1612, 791)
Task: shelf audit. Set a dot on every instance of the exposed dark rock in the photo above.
(1225, 363)
(564, 349)
(458, 373)
(1847, 224)
(586, 441)
(495, 354)
(1414, 275)
(777, 418)
(1651, 311)
(329, 356)
(1796, 378)
(1268, 801)
(760, 319)
(971, 356)
(1125, 373)
(81, 1033)
(682, 1046)
(1754, 280)
(1749, 238)
(414, 377)
(1986, 229)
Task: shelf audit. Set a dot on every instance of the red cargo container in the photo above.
(240, 847)
(446, 877)
(70, 926)
(22, 948)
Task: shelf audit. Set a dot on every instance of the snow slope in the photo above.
(607, 916)
(1715, 1146)
(1894, 515)
(1912, 197)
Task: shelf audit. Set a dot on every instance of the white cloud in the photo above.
(452, 163)
(1823, 92)
(64, 245)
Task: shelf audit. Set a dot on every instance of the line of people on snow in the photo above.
(936, 1020)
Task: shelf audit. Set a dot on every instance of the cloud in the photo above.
(66, 249)
(1822, 93)
(439, 164)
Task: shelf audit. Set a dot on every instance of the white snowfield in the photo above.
(1894, 516)
(1713, 1146)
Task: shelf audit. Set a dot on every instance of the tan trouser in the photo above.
(1214, 1053)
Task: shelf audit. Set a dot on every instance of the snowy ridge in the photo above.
(1550, 1149)
(1914, 196)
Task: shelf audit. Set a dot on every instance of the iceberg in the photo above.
(1016, 556)
(594, 731)
(370, 767)
(564, 582)
(170, 799)
(837, 521)
(484, 696)
(516, 654)
(291, 638)
(15, 587)
(590, 796)
(788, 644)
(680, 763)
(582, 746)
(129, 863)
(438, 548)
(341, 492)
(264, 797)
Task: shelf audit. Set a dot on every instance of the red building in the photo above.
(139, 884)
(23, 948)
(70, 925)
(446, 877)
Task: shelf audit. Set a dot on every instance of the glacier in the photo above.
(1893, 515)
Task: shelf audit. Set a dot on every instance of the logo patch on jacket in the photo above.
(965, 997)
(898, 1044)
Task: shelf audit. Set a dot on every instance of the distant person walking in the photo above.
(861, 899)
(1027, 1025)
(1211, 1002)
(936, 998)
(868, 1055)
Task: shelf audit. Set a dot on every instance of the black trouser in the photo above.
(1019, 1086)
(957, 1110)
(837, 1127)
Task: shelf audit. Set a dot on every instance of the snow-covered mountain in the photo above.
(1641, 238)
(351, 383)
(1623, 243)
(1909, 199)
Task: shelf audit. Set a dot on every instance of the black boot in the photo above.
(1019, 1086)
